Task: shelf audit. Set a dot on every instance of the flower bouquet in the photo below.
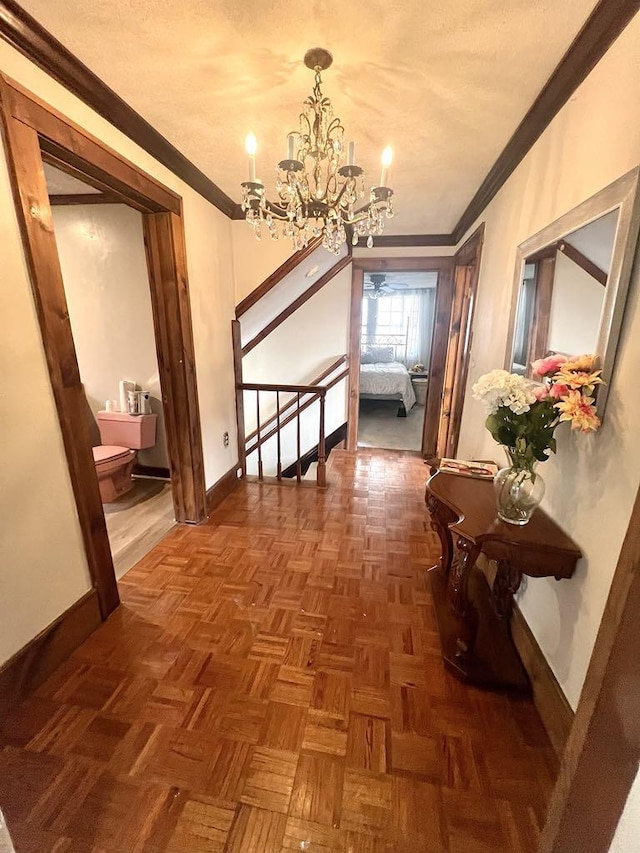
(523, 416)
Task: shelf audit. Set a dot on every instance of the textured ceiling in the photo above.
(445, 82)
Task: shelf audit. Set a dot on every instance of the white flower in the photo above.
(501, 388)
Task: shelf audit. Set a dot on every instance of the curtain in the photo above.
(410, 313)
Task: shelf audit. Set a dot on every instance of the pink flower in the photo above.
(549, 365)
(558, 390)
(541, 392)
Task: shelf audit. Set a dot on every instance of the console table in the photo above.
(473, 620)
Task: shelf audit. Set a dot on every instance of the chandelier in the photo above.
(319, 194)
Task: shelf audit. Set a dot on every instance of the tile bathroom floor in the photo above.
(273, 682)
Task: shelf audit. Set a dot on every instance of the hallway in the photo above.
(273, 682)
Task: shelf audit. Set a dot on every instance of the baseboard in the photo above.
(151, 471)
(29, 667)
(222, 488)
(551, 703)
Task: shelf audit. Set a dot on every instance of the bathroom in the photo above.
(102, 257)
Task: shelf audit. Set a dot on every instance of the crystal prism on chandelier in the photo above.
(319, 193)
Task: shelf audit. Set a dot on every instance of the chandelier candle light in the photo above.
(317, 190)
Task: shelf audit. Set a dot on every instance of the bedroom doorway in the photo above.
(400, 310)
(398, 318)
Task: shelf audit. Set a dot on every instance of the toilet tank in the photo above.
(124, 430)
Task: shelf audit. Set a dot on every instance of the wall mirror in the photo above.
(571, 282)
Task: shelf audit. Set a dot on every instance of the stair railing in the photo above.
(255, 441)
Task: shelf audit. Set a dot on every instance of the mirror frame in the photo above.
(622, 194)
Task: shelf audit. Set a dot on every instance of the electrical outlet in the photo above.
(225, 439)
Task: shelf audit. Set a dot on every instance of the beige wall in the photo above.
(403, 252)
(44, 566)
(44, 569)
(106, 283)
(253, 259)
(592, 482)
(297, 351)
(628, 832)
(576, 305)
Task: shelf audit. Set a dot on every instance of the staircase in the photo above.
(282, 425)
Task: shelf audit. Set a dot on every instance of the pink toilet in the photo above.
(121, 435)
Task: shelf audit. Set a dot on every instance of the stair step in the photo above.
(312, 472)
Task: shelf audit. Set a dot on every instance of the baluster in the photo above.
(322, 476)
(279, 468)
(260, 473)
(298, 462)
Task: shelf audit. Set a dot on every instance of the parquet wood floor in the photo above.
(273, 682)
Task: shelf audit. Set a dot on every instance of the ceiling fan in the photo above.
(377, 286)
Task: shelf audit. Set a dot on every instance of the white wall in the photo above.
(297, 351)
(576, 305)
(106, 283)
(592, 482)
(43, 562)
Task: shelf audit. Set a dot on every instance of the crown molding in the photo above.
(24, 33)
(409, 240)
(604, 25)
(601, 29)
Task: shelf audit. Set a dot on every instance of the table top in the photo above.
(473, 500)
(419, 374)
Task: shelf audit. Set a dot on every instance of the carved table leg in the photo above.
(441, 517)
(505, 585)
(457, 593)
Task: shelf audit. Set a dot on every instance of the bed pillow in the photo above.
(377, 355)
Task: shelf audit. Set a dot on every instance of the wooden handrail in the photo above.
(315, 381)
(276, 277)
(263, 438)
(294, 389)
(297, 303)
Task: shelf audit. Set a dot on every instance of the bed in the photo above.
(384, 377)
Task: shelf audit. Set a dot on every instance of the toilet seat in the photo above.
(106, 453)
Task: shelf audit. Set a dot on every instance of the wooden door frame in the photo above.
(443, 265)
(468, 255)
(33, 129)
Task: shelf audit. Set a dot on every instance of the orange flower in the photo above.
(577, 378)
(580, 411)
(581, 363)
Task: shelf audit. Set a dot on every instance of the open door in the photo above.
(466, 271)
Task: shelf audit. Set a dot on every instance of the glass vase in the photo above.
(519, 489)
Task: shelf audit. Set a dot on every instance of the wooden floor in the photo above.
(272, 682)
(137, 521)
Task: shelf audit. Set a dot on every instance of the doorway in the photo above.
(398, 318)
(33, 131)
(102, 257)
(400, 312)
(465, 285)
